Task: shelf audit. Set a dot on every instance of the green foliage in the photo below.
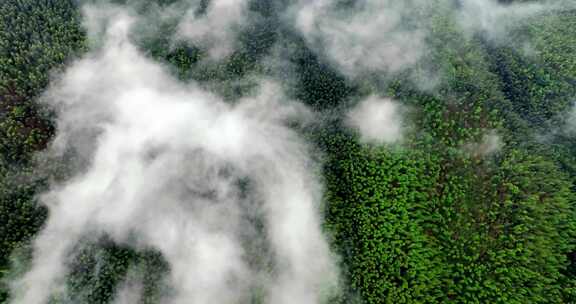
(461, 107)
(483, 228)
(101, 268)
(554, 42)
(36, 37)
(317, 85)
(378, 208)
(512, 226)
(423, 227)
(537, 93)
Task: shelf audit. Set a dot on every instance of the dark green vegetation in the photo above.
(429, 222)
(36, 37)
(433, 223)
(101, 266)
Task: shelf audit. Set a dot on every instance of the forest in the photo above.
(474, 202)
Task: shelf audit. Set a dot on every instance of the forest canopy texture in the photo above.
(300, 151)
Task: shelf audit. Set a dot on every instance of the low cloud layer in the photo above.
(370, 36)
(387, 36)
(224, 192)
(216, 28)
(227, 193)
(212, 26)
(378, 120)
(495, 19)
(490, 143)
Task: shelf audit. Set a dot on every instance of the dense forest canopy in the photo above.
(369, 151)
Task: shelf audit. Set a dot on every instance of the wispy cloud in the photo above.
(226, 193)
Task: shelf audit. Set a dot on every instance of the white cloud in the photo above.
(378, 120)
(388, 36)
(490, 143)
(176, 169)
(216, 29)
(496, 19)
(371, 37)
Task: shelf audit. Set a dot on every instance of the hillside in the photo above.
(164, 151)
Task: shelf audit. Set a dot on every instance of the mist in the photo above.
(216, 29)
(228, 194)
(495, 19)
(378, 120)
(364, 37)
(386, 37)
